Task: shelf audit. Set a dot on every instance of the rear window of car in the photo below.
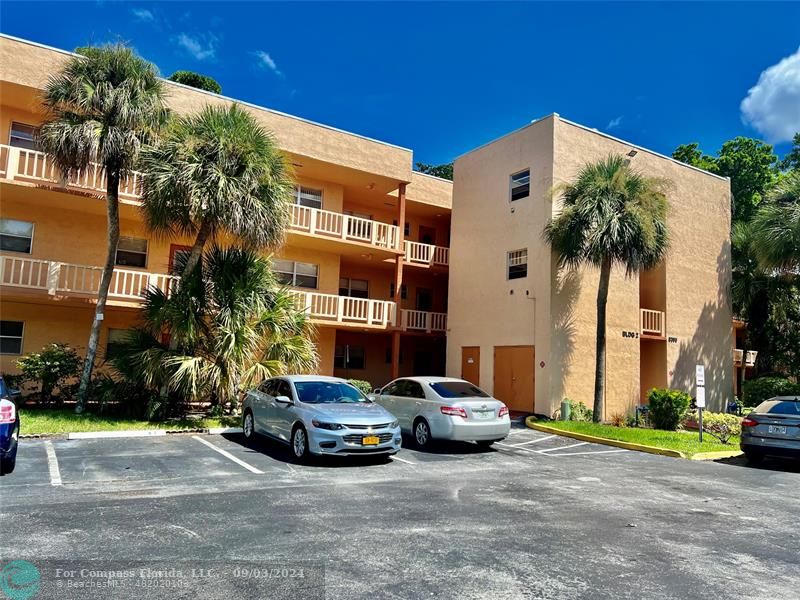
(458, 389)
(327, 392)
(779, 407)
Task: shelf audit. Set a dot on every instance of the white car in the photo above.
(444, 408)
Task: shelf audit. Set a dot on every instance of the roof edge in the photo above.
(414, 172)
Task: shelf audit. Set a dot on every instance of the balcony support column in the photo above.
(395, 354)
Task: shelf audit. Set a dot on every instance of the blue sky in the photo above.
(443, 78)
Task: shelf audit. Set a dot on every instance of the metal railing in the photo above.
(651, 322)
(346, 310)
(325, 223)
(417, 253)
(421, 320)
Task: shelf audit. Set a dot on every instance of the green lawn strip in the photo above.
(683, 441)
(44, 421)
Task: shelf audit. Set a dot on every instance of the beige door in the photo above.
(514, 377)
(471, 364)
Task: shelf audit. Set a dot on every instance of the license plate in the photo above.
(483, 414)
(370, 440)
(781, 429)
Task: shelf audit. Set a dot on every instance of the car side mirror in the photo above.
(377, 391)
(14, 392)
(283, 400)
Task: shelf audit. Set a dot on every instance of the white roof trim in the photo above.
(432, 176)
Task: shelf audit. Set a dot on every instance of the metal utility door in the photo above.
(514, 377)
(471, 364)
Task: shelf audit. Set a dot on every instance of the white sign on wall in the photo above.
(700, 376)
(700, 397)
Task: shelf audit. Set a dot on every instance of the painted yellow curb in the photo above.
(717, 455)
(598, 440)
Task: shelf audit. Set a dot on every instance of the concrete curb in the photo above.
(598, 440)
(716, 455)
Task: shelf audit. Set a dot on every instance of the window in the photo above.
(520, 184)
(16, 236)
(355, 288)
(305, 196)
(22, 136)
(389, 355)
(403, 291)
(296, 274)
(11, 337)
(407, 229)
(282, 388)
(410, 389)
(328, 392)
(518, 264)
(115, 338)
(348, 357)
(132, 252)
(458, 389)
(178, 255)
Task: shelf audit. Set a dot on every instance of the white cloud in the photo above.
(144, 15)
(614, 123)
(772, 105)
(201, 47)
(266, 61)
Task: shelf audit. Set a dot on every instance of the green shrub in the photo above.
(578, 411)
(196, 80)
(722, 426)
(50, 368)
(364, 386)
(762, 388)
(667, 407)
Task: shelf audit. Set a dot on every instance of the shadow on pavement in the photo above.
(786, 465)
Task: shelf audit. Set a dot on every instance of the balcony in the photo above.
(30, 166)
(344, 310)
(749, 357)
(651, 323)
(426, 255)
(65, 279)
(338, 226)
(422, 321)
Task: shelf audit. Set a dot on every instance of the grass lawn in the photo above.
(64, 420)
(683, 441)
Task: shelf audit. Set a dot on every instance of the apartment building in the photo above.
(524, 328)
(367, 251)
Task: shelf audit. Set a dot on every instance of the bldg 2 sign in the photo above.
(634, 335)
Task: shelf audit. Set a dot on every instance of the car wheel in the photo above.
(300, 443)
(753, 457)
(422, 433)
(9, 461)
(248, 425)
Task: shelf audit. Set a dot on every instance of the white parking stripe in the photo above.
(403, 460)
(52, 463)
(584, 453)
(547, 437)
(565, 447)
(228, 455)
(517, 447)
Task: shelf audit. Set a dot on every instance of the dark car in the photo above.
(9, 428)
(772, 429)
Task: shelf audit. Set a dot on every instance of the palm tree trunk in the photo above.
(197, 249)
(112, 211)
(600, 350)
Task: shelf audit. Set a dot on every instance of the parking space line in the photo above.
(229, 456)
(594, 452)
(52, 463)
(402, 460)
(547, 437)
(564, 447)
(510, 447)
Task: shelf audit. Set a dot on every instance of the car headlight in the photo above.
(394, 424)
(324, 425)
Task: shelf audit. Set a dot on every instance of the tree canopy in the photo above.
(196, 80)
(444, 171)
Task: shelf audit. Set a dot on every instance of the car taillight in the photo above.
(503, 411)
(748, 422)
(454, 411)
(7, 411)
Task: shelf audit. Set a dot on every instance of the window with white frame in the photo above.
(355, 288)
(11, 337)
(518, 264)
(306, 196)
(349, 357)
(16, 236)
(115, 338)
(132, 252)
(22, 136)
(521, 185)
(296, 274)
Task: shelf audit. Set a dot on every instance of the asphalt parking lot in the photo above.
(538, 516)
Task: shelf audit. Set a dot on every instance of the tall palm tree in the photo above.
(102, 107)
(230, 325)
(776, 227)
(217, 171)
(611, 216)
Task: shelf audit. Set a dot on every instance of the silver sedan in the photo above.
(319, 415)
(772, 429)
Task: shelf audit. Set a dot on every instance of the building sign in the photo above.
(672, 340)
(634, 335)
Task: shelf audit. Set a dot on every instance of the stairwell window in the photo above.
(348, 357)
(306, 196)
(22, 136)
(518, 264)
(16, 236)
(521, 185)
(11, 337)
(132, 252)
(296, 274)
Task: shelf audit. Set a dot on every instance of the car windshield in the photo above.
(328, 392)
(458, 389)
(780, 407)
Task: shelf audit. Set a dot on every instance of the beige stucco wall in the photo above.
(430, 190)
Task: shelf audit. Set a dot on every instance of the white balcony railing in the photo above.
(21, 164)
(346, 310)
(325, 223)
(652, 322)
(749, 357)
(417, 253)
(59, 278)
(421, 320)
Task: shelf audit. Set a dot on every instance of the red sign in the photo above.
(541, 364)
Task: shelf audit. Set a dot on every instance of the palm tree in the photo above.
(217, 171)
(102, 107)
(776, 227)
(611, 216)
(230, 326)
